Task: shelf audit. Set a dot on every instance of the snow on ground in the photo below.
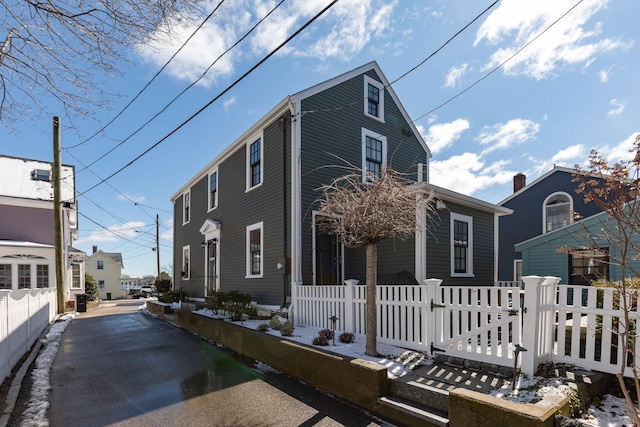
(609, 413)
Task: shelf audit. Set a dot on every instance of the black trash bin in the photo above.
(81, 303)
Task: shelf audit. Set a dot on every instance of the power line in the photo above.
(500, 65)
(273, 52)
(150, 81)
(185, 89)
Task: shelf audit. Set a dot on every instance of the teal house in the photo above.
(581, 252)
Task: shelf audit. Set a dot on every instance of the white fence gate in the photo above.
(552, 322)
(24, 314)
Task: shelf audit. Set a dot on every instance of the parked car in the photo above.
(148, 291)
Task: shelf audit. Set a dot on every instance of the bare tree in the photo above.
(364, 213)
(60, 50)
(615, 189)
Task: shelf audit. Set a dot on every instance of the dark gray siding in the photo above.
(236, 210)
(331, 140)
(526, 220)
(439, 247)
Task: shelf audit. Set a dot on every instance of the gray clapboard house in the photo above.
(246, 221)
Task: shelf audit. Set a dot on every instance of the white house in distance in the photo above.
(106, 269)
(27, 233)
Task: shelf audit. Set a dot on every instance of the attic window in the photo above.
(41, 175)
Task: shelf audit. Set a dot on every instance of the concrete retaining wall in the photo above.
(355, 380)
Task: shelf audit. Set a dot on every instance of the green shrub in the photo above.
(232, 303)
(263, 327)
(286, 331)
(347, 337)
(174, 296)
(90, 287)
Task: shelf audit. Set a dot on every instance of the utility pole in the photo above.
(158, 245)
(57, 216)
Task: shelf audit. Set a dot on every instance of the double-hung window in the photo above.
(186, 207)
(186, 262)
(5, 276)
(461, 245)
(75, 276)
(374, 155)
(42, 275)
(254, 250)
(213, 190)
(374, 99)
(99, 264)
(101, 285)
(588, 265)
(255, 163)
(24, 276)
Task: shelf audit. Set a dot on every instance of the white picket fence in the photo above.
(24, 314)
(549, 322)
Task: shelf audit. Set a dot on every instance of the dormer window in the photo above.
(41, 175)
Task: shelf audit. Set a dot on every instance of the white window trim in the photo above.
(369, 81)
(515, 268)
(215, 205)
(469, 220)
(250, 228)
(259, 136)
(368, 133)
(184, 211)
(544, 209)
(188, 272)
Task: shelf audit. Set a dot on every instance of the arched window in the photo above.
(557, 211)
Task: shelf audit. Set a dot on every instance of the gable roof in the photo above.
(115, 257)
(536, 181)
(286, 106)
(462, 199)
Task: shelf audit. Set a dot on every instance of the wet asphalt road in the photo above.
(117, 366)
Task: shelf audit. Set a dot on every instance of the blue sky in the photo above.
(534, 84)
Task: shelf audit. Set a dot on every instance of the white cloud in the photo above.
(126, 197)
(621, 151)
(455, 74)
(113, 233)
(604, 76)
(468, 173)
(502, 136)
(515, 23)
(617, 107)
(442, 135)
(343, 31)
(228, 103)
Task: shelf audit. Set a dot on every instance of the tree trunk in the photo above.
(371, 348)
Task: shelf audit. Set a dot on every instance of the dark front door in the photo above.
(212, 266)
(328, 260)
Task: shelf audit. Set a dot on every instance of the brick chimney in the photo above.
(519, 182)
(95, 249)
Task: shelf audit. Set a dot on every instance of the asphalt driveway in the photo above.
(119, 366)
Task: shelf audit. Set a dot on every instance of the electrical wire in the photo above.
(208, 104)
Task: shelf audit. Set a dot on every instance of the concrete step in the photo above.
(429, 415)
(423, 394)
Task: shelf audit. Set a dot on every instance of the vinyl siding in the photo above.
(526, 220)
(237, 209)
(438, 247)
(332, 141)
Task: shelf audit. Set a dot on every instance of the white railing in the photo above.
(550, 322)
(23, 316)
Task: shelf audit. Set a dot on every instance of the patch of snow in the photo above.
(36, 412)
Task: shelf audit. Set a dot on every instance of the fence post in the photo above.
(431, 288)
(538, 324)
(293, 310)
(348, 304)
